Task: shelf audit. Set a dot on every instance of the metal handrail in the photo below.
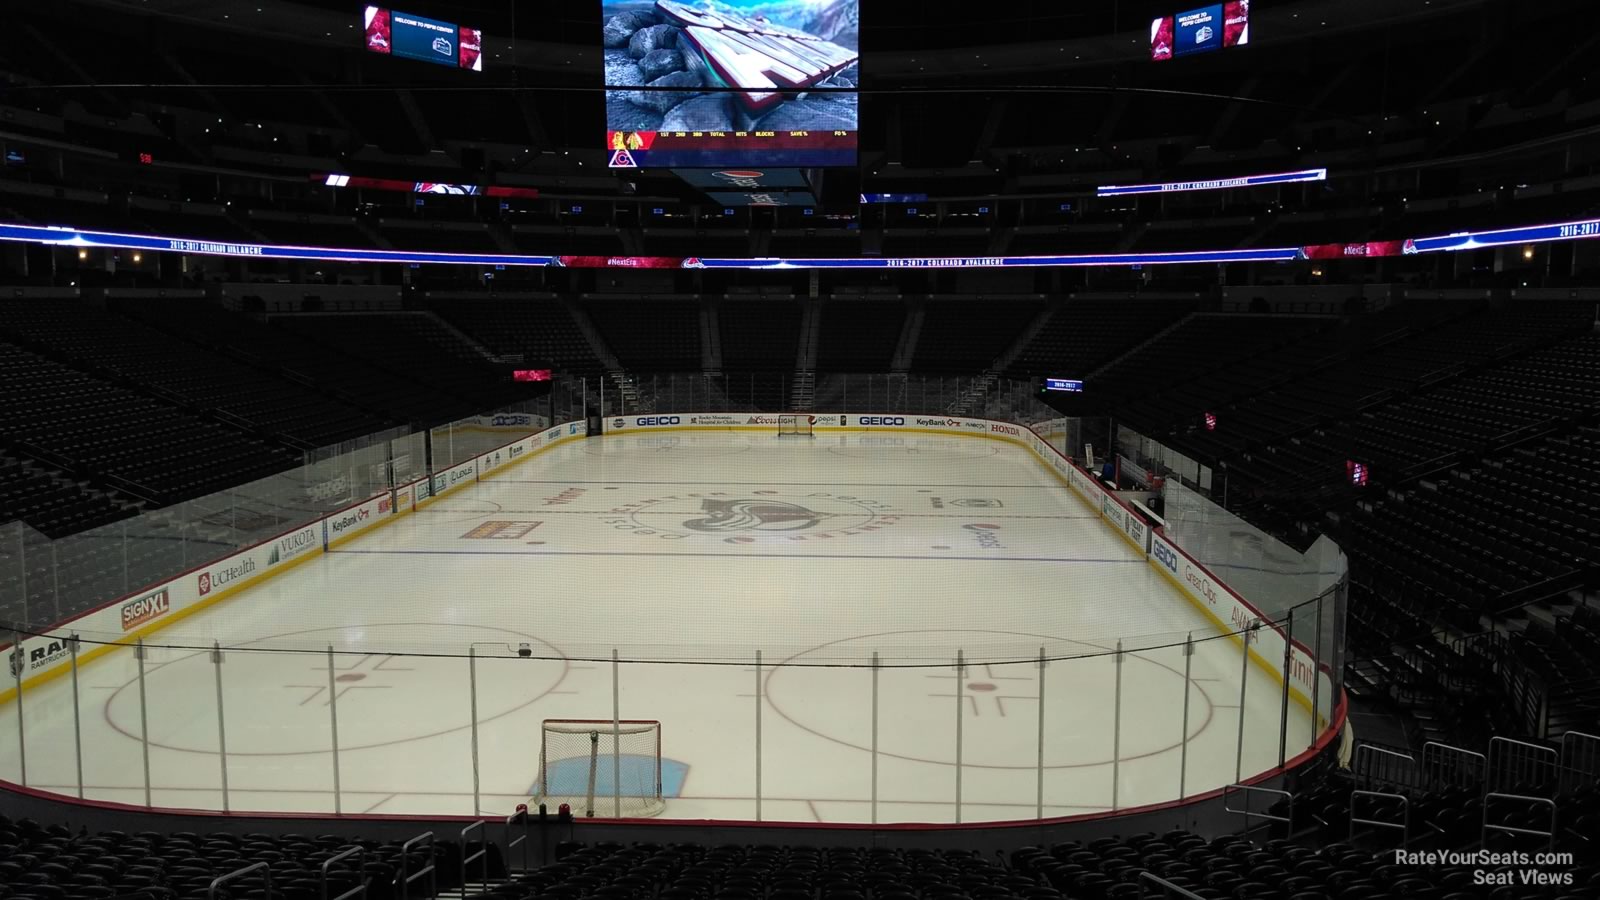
(1573, 769)
(263, 868)
(360, 890)
(430, 870)
(1437, 752)
(1514, 759)
(1483, 834)
(1170, 889)
(1405, 810)
(522, 840)
(482, 854)
(1373, 750)
(1248, 790)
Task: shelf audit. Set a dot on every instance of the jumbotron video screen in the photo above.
(731, 82)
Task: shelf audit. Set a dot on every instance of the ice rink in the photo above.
(694, 551)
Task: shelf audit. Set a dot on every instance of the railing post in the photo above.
(144, 721)
(472, 690)
(1244, 681)
(19, 661)
(1183, 736)
(874, 737)
(222, 727)
(758, 735)
(1116, 729)
(77, 712)
(1288, 676)
(960, 699)
(616, 734)
(1038, 778)
(333, 724)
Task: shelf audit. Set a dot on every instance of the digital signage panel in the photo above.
(1197, 31)
(736, 83)
(411, 36)
(745, 179)
(1200, 30)
(762, 198)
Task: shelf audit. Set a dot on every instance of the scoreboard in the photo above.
(741, 83)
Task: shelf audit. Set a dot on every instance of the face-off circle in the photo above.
(753, 517)
(917, 699)
(286, 693)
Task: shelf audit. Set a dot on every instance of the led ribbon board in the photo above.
(1215, 184)
(72, 237)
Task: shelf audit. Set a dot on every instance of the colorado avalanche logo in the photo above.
(754, 515)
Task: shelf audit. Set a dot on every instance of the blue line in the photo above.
(1055, 559)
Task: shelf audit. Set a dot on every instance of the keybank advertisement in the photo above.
(348, 523)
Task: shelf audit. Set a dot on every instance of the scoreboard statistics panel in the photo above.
(731, 82)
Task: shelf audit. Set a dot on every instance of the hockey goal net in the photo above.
(600, 767)
(796, 425)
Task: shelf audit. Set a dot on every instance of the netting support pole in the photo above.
(222, 727)
(144, 721)
(960, 699)
(1316, 678)
(1038, 803)
(1183, 737)
(19, 661)
(874, 733)
(333, 729)
(77, 712)
(1244, 681)
(472, 689)
(758, 735)
(1116, 729)
(616, 733)
(1288, 675)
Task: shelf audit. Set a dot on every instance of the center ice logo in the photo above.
(754, 515)
(751, 517)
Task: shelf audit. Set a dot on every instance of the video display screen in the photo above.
(423, 187)
(1200, 30)
(417, 37)
(1068, 385)
(731, 82)
(531, 374)
(762, 198)
(744, 179)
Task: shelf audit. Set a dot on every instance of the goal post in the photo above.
(796, 425)
(600, 767)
